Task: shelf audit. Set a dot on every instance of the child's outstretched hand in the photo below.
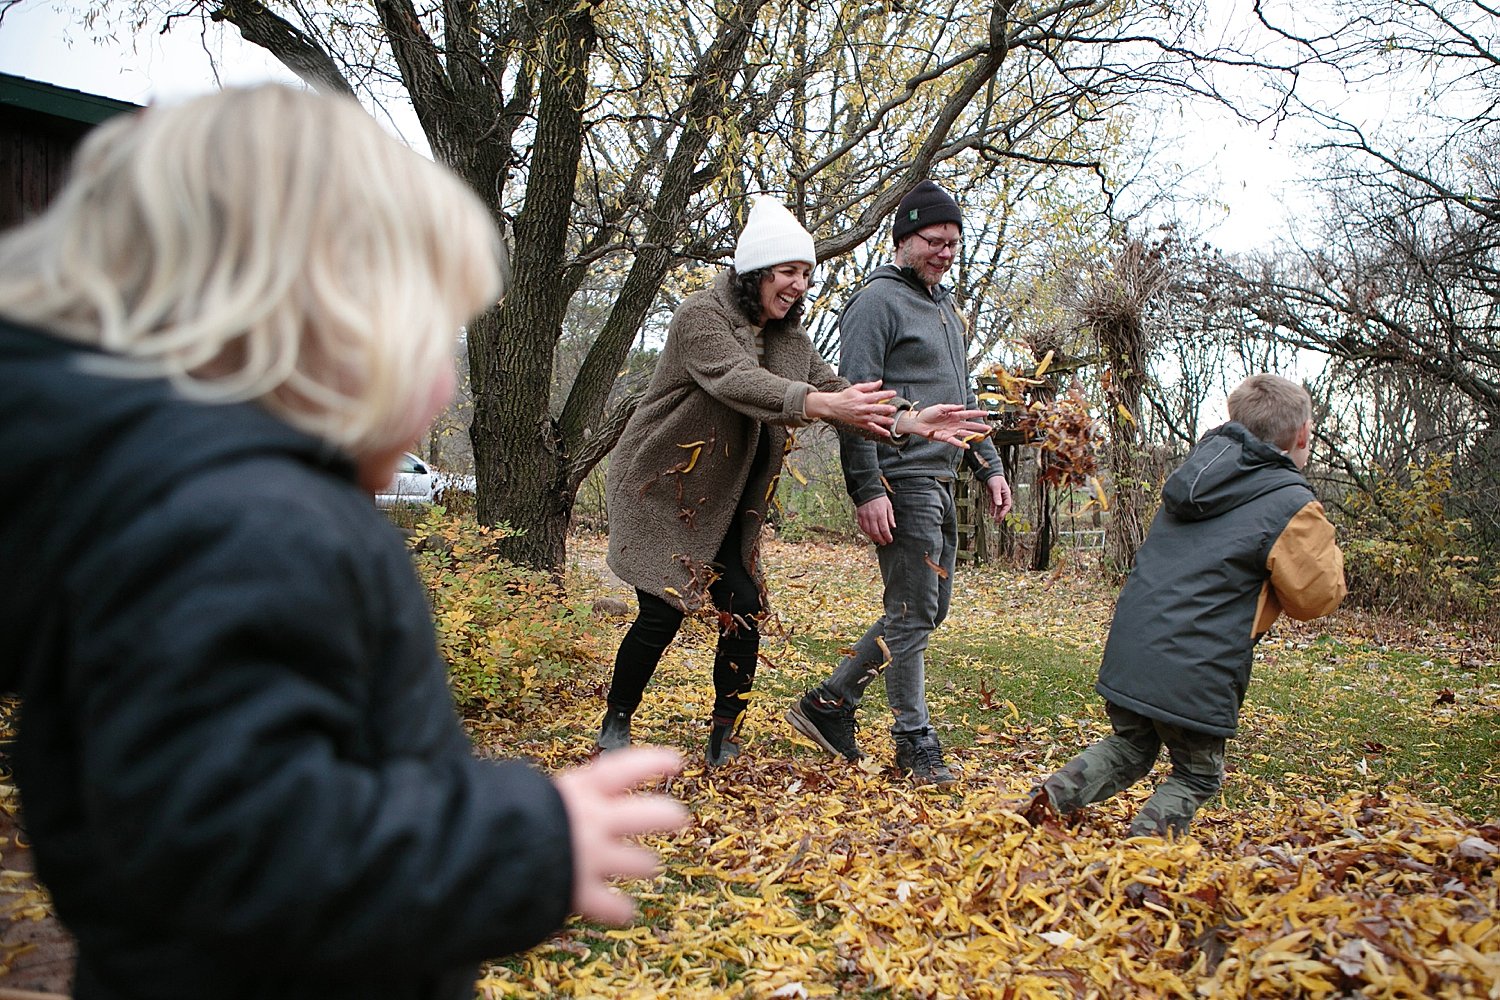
(603, 814)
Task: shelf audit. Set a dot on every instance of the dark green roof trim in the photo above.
(20, 94)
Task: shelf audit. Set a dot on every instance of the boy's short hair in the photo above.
(263, 244)
(1271, 407)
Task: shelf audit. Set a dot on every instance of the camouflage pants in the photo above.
(1119, 761)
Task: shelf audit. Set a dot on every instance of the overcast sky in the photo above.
(41, 43)
(1253, 173)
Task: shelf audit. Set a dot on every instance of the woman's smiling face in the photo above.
(782, 288)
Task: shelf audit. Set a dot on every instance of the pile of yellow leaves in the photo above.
(800, 881)
(802, 876)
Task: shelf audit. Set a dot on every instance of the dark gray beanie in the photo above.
(925, 205)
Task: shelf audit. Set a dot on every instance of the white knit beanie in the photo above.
(772, 236)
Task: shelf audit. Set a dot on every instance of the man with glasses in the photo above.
(901, 327)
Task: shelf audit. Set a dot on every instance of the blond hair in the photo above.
(265, 244)
(1271, 407)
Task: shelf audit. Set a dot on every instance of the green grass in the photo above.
(1336, 712)
(1348, 703)
(1042, 679)
(1326, 712)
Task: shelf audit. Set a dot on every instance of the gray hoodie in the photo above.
(894, 329)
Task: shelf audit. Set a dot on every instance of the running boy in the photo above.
(1239, 538)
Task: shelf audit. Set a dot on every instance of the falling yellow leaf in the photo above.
(1046, 363)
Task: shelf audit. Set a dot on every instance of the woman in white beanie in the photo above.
(693, 473)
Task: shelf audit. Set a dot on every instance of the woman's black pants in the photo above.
(737, 599)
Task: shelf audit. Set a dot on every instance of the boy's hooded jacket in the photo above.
(1238, 539)
(238, 759)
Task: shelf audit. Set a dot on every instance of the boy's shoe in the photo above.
(615, 731)
(1037, 807)
(921, 755)
(828, 722)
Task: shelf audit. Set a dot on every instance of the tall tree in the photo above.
(622, 139)
(1388, 302)
(1405, 271)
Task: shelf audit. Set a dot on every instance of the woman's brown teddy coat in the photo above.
(676, 477)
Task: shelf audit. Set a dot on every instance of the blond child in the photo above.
(238, 760)
(1239, 538)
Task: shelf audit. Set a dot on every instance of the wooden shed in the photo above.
(40, 124)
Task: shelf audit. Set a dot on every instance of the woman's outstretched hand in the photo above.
(604, 814)
(861, 405)
(949, 423)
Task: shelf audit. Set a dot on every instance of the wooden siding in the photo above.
(40, 125)
(33, 165)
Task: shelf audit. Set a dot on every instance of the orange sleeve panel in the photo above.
(1307, 571)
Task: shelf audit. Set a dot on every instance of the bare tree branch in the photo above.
(296, 49)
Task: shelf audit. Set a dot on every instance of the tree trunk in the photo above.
(518, 469)
(518, 452)
(1041, 552)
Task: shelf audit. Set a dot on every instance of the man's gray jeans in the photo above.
(917, 567)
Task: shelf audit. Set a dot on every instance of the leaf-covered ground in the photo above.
(1352, 853)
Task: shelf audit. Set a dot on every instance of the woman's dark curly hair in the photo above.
(746, 288)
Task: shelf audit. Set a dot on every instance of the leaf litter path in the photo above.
(804, 877)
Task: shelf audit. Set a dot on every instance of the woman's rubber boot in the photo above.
(723, 741)
(615, 731)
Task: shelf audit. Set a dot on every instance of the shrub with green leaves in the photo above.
(813, 510)
(1402, 550)
(510, 635)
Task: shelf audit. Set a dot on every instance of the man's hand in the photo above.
(998, 503)
(603, 814)
(877, 519)
(861, 405)
(949, 423)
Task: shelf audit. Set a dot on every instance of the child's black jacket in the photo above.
(238, 758)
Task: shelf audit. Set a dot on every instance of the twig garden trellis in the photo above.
(1017, 427)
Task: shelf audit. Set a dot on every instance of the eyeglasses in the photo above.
(937, 245)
